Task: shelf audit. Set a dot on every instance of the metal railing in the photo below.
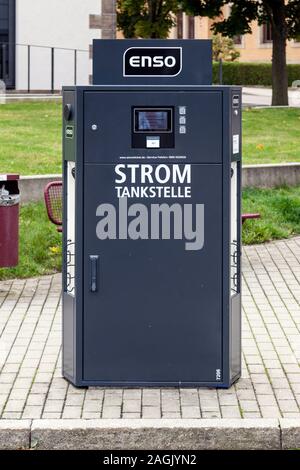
(22, 58)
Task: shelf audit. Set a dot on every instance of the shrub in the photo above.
(224, 48)
(251, 74)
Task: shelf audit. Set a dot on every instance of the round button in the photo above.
(68, 112)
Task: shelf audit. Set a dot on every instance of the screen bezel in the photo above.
(169, 111)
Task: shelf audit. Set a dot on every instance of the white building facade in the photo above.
(45, 44)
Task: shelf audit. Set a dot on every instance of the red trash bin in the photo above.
(9, 220)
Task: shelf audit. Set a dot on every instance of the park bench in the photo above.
(250, 216)
(53, 200)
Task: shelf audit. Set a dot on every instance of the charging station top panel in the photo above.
(152, 62)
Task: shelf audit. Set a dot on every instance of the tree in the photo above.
(146, 18)
(283, 16)
(155, 18)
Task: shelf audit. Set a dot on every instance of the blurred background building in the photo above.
(45, 44)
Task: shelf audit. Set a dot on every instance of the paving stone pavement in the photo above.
(31, 385)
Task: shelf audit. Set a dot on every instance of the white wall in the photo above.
(59, 24)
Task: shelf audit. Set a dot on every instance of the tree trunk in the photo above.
(279, 72)
(152, 5)
(279, 68)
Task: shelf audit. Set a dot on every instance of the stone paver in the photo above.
(31, 386)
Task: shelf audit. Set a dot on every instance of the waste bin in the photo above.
(9, 220)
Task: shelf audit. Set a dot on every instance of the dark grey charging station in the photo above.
(152, 233)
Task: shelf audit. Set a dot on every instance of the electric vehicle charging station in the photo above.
(152, 219)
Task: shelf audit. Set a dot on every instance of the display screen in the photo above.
(153, 120)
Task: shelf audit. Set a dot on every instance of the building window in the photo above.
(191, 27)
(267, 33)
(185, 26)
(4, 22)
(179, 23)
(7, 40)
(297, 39)
(237, 40)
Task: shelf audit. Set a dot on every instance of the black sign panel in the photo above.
(152, 62)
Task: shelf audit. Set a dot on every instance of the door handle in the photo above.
(93, 272)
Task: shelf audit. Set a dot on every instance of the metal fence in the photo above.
(30, 67)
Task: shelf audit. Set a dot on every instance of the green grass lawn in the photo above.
(40, 243)
(30, 137)
(280, 214)
(271, 135)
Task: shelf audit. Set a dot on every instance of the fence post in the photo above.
(4, 73)
(52, 69)
(220, 71)
(28, 68)
(75, 66)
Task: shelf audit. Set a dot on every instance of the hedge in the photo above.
(251, 74)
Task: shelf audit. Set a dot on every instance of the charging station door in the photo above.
(152, 309)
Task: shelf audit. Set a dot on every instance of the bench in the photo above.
(53, 201)
(250, 216)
